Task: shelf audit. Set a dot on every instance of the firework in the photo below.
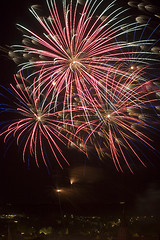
(121, 121)
(83, 81)
(36, 123)
(77, 47)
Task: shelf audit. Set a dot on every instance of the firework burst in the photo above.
(77, 48)
(38, 123)
(122, 120)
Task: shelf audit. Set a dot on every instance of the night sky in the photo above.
(97, 186)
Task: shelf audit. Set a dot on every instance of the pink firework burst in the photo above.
(121, 122)
(79, 45)
(39, 127)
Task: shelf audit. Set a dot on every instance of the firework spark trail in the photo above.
(141, 45)
(38, 124)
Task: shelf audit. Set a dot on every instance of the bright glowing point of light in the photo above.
(108, 115)
(38, 118)
(59, 190)
(132, 67)
(72, 180)
(74, 63)
(53, 83)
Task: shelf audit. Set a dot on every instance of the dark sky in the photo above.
(98, 186)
